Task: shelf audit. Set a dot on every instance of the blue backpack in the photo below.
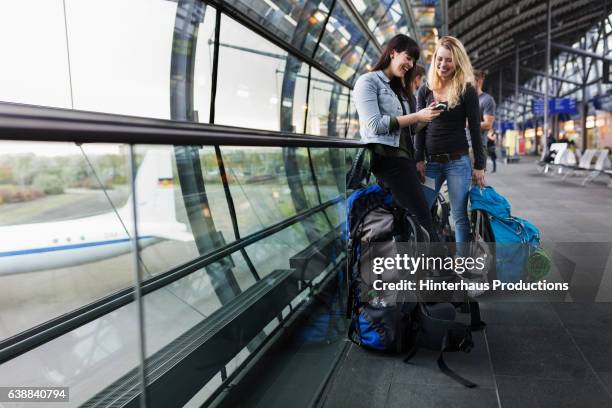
(515, 238)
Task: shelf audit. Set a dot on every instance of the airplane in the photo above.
(58, 244)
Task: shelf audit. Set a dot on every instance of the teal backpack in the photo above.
(517, 241)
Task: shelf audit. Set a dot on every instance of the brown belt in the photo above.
(446, 157)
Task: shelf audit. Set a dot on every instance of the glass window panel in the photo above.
(384, 18)
(337, 213)
(260, 187)
(122, 70)
(165, 235)
(342, 118)
(303, 174)
(288, 242)
(353, 123)
(298, 22)
(63, 244)
(215, 193)
(294, 81)
(369, 59)
(86, 360)
(178, 307)
(248, 97)
(342, 44)
(329, 169)
(321, 87)
(35, 65)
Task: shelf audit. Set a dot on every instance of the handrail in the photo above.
(38, 123)
(23, 342)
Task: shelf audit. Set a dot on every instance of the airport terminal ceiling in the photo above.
(491, 30)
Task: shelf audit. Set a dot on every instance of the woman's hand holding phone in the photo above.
(428, 114)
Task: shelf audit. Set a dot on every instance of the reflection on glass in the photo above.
(165, 237)
(328, 164)
(327, 106)
(86, 360)
(342, 44)
(293, 95)
(249, 84)
(121, 69)
(64, 229)
(174, 309)
(321, 87)
(425, 17)
(337, 213)
(288, 242)
(298, 22)
(384, 18)
(35, 68)
(341, 95)
(260, 185)
(353, 123)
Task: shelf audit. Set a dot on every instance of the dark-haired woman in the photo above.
(386, 118)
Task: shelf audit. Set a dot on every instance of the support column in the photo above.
(516, 88)
(546, 79)
(584, 110)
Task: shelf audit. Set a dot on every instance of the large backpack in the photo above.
(393, 321)
(517, 241)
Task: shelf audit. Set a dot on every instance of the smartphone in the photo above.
(441, 106)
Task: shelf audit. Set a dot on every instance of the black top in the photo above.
(446, 133)
(490, 143)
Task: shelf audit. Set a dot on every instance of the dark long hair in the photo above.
(399, 43)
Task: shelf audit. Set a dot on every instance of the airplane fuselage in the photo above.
(50, 245)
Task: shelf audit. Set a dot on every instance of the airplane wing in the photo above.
(175, 231)
(175, 235)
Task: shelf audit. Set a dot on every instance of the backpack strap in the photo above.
(351, 333)
(476, 322)
(466, 345)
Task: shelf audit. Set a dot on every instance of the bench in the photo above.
(602, 165)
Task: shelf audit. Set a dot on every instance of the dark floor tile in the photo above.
(423, 368)
(606, 378)
(520, 314)
(527, 392)
(584, 314)
(535, 352)
(434, 396)
(595, 342)
(361, 381)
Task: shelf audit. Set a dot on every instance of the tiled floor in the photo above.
(531, 354)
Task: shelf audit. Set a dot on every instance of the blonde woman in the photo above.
(441, 147)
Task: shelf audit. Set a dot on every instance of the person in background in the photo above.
(486, 104)
(412, 82)
(491, 146)
(415, 79)
(387, 118)
(442, 143)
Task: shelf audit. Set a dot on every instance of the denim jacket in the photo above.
(376, 103)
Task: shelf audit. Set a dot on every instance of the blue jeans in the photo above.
(458, 174)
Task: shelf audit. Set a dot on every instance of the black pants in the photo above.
(399, 175)
(493, 156)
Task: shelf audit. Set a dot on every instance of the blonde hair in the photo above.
(462, 76)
